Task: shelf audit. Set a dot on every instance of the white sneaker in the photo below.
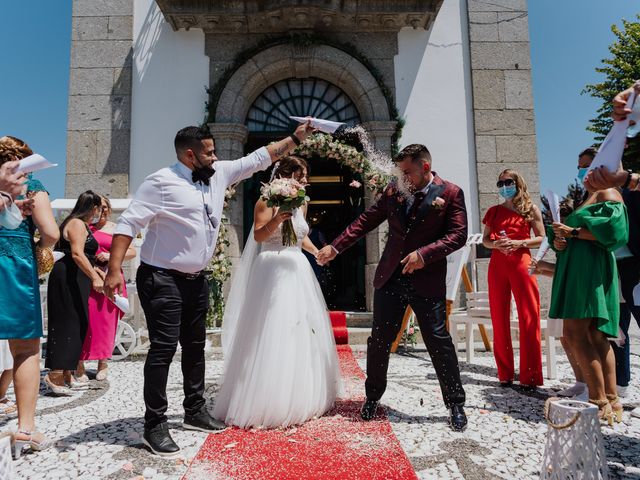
(576, 389)
(623, 392)
(635, 412)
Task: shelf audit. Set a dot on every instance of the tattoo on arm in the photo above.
(283, 150)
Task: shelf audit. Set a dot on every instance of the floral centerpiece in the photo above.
(286, 194)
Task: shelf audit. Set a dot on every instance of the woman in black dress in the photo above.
(70, 283)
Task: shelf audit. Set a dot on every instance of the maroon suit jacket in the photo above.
(435, 233)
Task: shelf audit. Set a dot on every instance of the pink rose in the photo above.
(355, 184)
(438, 203)
(411, 331)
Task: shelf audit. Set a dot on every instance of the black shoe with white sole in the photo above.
(204, 422)
(159, 441)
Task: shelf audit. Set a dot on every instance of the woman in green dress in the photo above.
(585, 290)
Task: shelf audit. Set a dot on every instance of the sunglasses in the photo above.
(505, 183)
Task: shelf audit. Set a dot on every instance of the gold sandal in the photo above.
(605, 412)
(616, 407)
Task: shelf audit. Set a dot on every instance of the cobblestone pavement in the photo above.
(98, 430)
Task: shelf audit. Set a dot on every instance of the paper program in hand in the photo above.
(327, 126)
(33, 163)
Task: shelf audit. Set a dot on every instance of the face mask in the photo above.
(95, 219)
(582, 172)
(507, 192)
(11, 217)
(201, 173)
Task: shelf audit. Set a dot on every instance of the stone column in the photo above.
(230, 139)
(505, 133)
(98, 131)
(381, 134)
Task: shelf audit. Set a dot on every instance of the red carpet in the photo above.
(336, 446)
(339, 325)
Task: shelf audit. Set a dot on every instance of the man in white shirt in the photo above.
(181, 206)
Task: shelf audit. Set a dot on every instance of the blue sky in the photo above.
(568, 40)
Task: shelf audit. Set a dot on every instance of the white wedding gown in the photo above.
(281, 365)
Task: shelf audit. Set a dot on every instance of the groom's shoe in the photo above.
(159, 441)
(369, 409)
(203, 422)
(457, 418)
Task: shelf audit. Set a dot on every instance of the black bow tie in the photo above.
(202, 175)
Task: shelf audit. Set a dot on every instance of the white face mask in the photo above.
(11, 217)
(95, 219)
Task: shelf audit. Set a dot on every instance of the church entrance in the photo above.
(334, 203)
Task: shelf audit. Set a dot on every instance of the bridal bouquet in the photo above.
(287, 194)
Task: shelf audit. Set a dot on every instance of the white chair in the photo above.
(477, 313)
(456, 262)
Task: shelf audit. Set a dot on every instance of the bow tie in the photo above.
(202, 175)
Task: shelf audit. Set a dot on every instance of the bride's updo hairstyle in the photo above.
(12, 148)
(286, 167)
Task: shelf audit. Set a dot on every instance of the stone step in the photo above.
(359, 319)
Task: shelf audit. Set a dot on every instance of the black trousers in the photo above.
(175, 309)
(389, 305)
(629, 272)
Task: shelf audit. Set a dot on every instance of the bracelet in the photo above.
(295, 139)
(628, 180)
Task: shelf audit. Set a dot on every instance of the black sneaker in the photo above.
(203, 422)
(159, 441)
(368, 411)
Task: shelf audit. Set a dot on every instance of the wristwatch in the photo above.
(574, 233)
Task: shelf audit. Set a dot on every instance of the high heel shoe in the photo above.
(57, 390)
(35, 445)
(605, 412)
(616, 407)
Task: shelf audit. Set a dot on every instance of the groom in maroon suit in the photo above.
(424, 227)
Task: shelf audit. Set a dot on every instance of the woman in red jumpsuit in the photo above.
(507, 232)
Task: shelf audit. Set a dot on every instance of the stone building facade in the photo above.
(391, 47)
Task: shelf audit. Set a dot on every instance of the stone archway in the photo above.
(283, 61)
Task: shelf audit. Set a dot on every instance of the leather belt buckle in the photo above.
(191, 276)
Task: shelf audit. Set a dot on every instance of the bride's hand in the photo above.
(282, 216)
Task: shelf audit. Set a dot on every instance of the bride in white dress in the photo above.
(280, 361)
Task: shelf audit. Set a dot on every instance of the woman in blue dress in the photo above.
(20, 312)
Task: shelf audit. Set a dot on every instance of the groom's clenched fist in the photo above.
(325, 255)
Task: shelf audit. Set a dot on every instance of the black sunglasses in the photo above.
(505, 183)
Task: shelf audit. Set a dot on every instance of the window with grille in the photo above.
(300, 97)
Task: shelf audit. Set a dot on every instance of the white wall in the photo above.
(170, 73)
(434, 95)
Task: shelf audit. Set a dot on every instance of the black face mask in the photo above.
(201, 173)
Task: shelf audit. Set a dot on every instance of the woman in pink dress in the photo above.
(103, 314)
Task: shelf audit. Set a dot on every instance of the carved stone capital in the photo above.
(277, 16)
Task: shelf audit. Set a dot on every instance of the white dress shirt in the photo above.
(180, 234)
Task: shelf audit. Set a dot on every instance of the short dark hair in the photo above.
(190, 137)
(416, 152)
(590, 152)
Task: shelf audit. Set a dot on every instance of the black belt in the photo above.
(175, 273)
